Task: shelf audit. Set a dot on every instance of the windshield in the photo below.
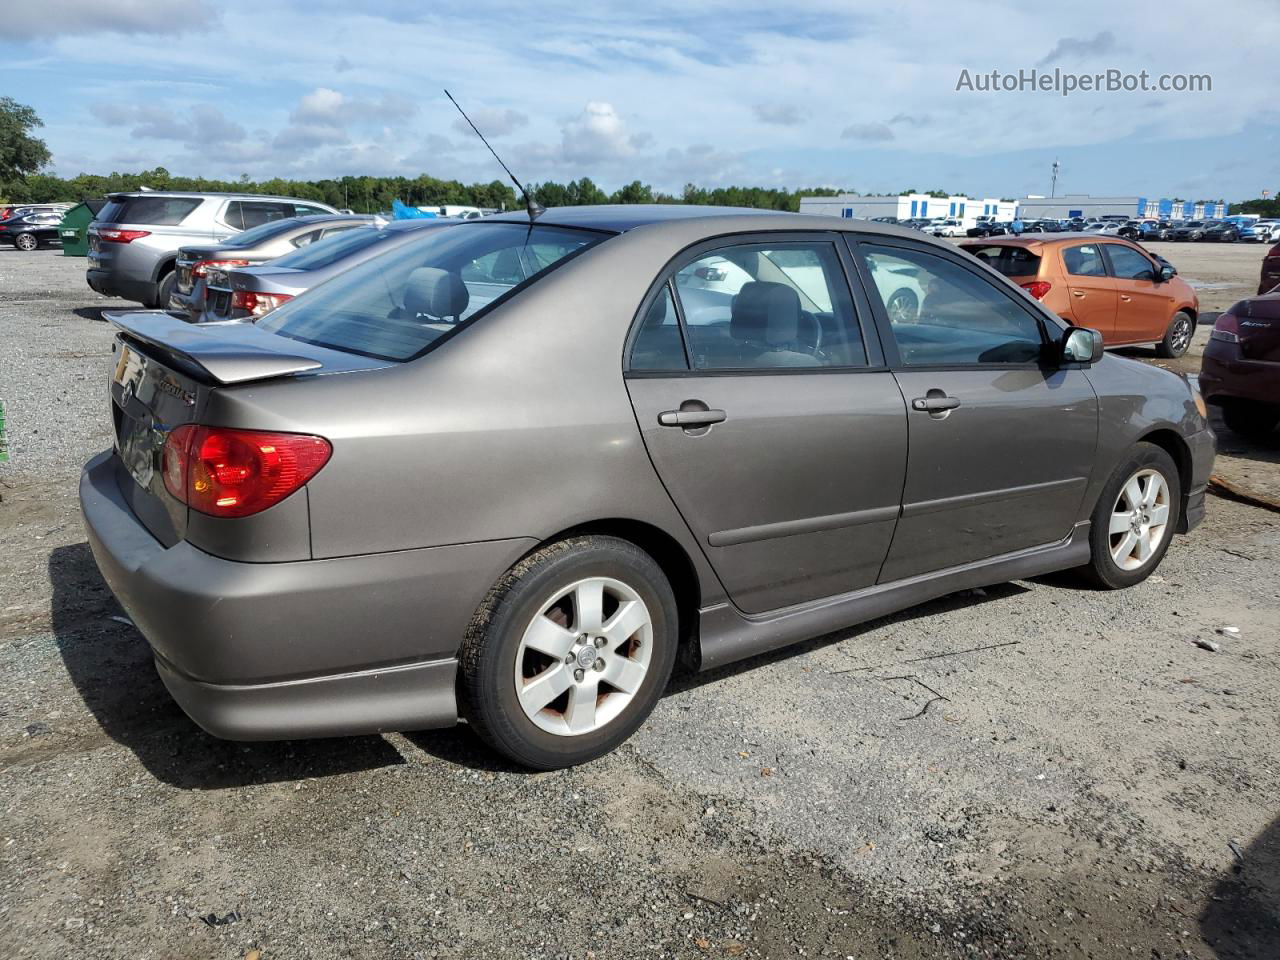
(262, 232)
(331, 249)
(398, 305)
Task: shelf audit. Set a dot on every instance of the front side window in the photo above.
(955, 317)
(769, 305)
(1084, 261)
(1129, 264)
(396, 306)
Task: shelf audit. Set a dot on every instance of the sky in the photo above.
(849, 94)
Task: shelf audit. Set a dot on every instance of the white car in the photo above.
(947, 228)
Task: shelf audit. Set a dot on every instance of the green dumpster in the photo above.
(72, 230)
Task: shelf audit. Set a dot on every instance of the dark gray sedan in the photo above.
(516, 470)
(259, 244)
(243, 293)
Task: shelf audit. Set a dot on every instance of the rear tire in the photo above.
(1254, 421)
(548, 678)
(1134, 520)
(1178, 337)
(26, 242)
(164, 290)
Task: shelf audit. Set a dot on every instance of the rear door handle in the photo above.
(691, 418)
(935, 404)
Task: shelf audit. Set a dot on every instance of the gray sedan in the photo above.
(243, 293)
(515, 471)
(259, 244)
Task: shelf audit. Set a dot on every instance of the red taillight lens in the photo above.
(257, 303)
(1226, 328)
(201, 267)
(109, 235)
(236, 473)
(1037, 288)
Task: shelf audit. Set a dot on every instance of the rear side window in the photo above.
(658, 344)
(1008, 260)
(243, 214)
(156, 211)
(1084, 261)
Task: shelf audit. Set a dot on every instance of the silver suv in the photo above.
(134, 241)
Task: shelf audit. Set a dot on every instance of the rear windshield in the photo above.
(398, 305)
(1008, 260)
(256, 235)
(331, 249)
(157, 211)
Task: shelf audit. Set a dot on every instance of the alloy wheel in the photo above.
(1181, 334)
(584, 656)
(1139, 519)
(25, 241)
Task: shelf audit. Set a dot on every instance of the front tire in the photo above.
(26, 242)
(1178, 337)
(1134, 520)
(569, 652)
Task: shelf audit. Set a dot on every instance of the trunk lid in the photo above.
(1258, 320)
(164, 374)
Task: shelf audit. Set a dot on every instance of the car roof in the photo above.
(207, 193)
(620, 218)
(1039, 240)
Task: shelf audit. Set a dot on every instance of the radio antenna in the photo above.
(535, 209)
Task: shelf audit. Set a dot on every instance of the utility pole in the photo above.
(1053, 184)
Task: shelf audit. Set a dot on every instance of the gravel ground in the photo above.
(1033, 770)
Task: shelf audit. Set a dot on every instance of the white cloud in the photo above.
(780, 114)
(54, 18)
(492, 123)
(597, 135)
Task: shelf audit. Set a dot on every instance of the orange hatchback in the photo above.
(1109, 284)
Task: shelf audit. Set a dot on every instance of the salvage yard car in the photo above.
(258, 244)
(134, 240)
(31, 230)
(436, 486)
(1241, 368)
(1103, 282)
(242, 293)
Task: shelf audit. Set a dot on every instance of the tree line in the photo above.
(371, 194)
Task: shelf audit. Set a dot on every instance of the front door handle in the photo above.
(1078, 293)
(1125, 298)
(691, 418)
(935, 404)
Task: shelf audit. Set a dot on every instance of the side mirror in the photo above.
(1082, 345)
(1167, 272)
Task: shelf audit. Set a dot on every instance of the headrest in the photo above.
(766, 313)
(435, 293)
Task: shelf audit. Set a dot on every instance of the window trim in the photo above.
(695, 251)
(1000, 284)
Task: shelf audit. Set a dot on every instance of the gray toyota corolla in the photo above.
(512, 471)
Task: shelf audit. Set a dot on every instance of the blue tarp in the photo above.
(401, 212)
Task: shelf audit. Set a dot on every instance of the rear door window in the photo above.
(1084, 260)
(244, 214)
(155, 211)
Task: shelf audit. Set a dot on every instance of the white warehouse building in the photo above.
(907, 205)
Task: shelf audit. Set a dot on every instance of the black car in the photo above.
(1191, 230)
(1221, 232)
(31, 231)
(988, 230)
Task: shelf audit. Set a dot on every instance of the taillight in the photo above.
(1037, 288)
(201, 267)
(1226, 328)
(257, 303)
(235, 473)
(111, 235)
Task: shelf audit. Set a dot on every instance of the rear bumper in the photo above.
(303, 649)
(1225, 375)
(101, 280)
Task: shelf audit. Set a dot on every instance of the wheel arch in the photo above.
(676, 564)
(166, 265)
(1171, 442)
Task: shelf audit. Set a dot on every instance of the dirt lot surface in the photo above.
(1033, 770)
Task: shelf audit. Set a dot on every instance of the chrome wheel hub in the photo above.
(584, 656)
(1139, 520)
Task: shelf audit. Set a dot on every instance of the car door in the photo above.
(1091, 290)
(1144, 309)
(1000, 439)
(766, 408)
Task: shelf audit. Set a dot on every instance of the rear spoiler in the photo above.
(226, 353)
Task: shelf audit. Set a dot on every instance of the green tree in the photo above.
(21, 154)
(633, 192)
